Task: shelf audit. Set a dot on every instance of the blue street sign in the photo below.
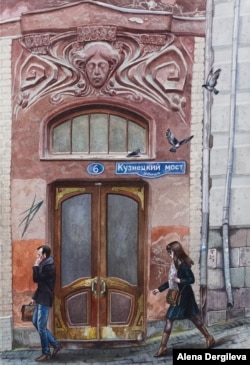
(151, 170)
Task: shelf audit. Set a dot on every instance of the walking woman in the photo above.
(181, 277)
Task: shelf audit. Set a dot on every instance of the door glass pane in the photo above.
(136, 137)
(80, 134)
(122, 238)
(61, 137)
(99, 133)
(118, 134)
(76, 239)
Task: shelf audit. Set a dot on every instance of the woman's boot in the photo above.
(162, 351)
(209, 339)
(202, 328)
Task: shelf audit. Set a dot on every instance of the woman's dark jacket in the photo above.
(45, 277)
(188, 307)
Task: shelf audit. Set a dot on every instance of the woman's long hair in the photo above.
(179, 254)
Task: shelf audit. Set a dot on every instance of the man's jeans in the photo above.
(40, 319)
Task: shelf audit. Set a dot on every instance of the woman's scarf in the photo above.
(171, 275)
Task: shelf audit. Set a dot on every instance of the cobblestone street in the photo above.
(230, 335)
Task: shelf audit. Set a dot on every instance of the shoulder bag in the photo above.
(174, 296)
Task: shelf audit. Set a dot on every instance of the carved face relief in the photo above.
(97, 60)
(97, 70)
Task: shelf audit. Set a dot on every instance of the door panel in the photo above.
(100, 253)
(122, 233)
(76, 238)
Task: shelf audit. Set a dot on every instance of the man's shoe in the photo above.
(56, 350)
(43, 358)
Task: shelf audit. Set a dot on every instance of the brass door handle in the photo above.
(103, 286)
(93, 286)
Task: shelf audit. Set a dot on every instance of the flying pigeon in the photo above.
(212, 81)
(174, 141)
(136, 153)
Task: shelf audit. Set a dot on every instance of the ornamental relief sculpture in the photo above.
(101, 61)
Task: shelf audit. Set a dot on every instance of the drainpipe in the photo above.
(206, 160)
(230, 161)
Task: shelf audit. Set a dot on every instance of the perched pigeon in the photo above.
(174, 141)
(136, 153)
(212, 81)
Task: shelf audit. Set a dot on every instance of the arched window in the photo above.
(97, 134)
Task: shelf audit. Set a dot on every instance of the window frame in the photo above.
(69, 116)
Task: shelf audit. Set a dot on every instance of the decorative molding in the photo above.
(99, 60)
(37, 43)
(96, 33)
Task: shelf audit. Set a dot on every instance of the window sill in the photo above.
(95, 158)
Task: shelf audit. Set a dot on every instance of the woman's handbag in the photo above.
(27, 311)
(174, 296)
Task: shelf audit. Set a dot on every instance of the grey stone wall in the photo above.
(224, 105)
(229, 107)
(239, 270)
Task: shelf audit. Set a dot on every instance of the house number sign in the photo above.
(95, 168)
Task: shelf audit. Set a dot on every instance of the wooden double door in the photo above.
(100, 254)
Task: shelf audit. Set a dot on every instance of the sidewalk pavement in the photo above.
(234, 334)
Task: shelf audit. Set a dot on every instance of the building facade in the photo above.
(89, 91)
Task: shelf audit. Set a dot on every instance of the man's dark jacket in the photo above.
(45, 277)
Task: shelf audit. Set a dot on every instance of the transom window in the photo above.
(98, 134)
